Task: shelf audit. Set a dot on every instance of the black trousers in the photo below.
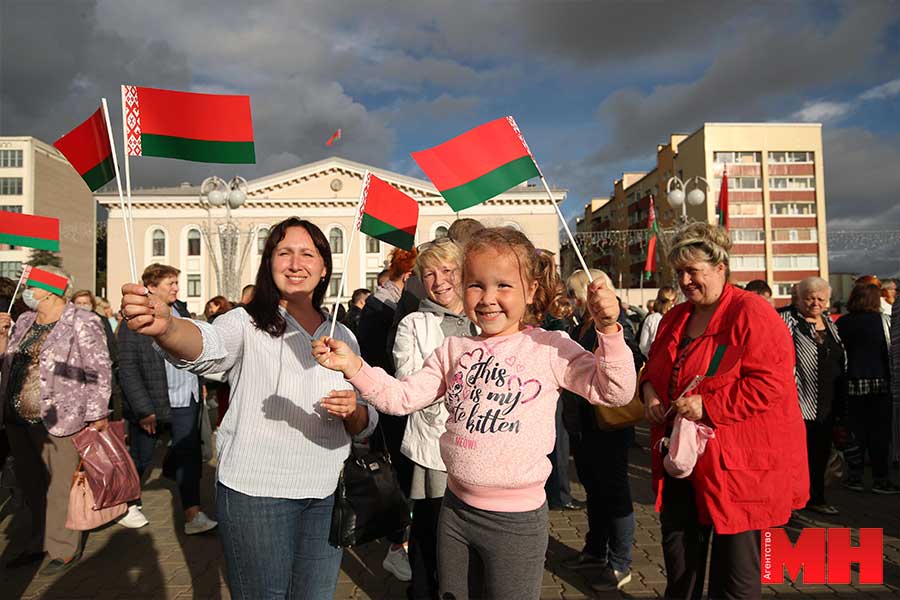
(818, 447)
(870, 421)
(423, 549)
(734, 569)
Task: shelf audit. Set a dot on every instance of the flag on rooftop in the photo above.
(334, 137)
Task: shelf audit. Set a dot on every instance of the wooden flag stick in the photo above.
(129, 234)
(22, 278)
(568, 232)
(359, 206)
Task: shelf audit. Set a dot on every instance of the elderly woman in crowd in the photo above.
(55, 382)
(868, 386)
(665, 300)
(753, 472)
(287, 433)
(819, 377)
(440, 315)
(601, 460)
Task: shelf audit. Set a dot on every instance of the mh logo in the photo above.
(809, 554)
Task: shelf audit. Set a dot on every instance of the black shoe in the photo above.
(56, 566)
(573, 504)
(25, 559)
(583, 560)
(885, 487)
(611, 580)
(855, 484)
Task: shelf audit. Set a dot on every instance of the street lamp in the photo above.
(677, 198)
(215, 193)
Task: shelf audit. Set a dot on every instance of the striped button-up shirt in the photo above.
(275, 440)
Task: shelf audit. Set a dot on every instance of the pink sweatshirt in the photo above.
(501, 394)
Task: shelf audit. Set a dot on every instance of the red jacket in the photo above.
(754, 472)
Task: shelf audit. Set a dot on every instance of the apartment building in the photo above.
(36, 179)
(776, 202)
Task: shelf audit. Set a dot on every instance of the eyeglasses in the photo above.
(443, 241)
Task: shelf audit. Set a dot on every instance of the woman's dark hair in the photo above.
(864, 298)
(263, 309)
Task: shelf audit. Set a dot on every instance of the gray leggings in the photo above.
(511, 548)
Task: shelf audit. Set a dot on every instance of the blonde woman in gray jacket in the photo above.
(439, 267)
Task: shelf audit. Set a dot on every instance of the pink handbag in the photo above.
(111, 473)
(686, 445)
(81, 515)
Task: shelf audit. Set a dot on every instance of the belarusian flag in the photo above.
(334, 137)
(31, 231)
(55, 284)
(87, 149)
(653, 229)
(723, 200)
(200, 127)
(388, 214)
(479, 164)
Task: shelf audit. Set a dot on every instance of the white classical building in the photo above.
(168, 224)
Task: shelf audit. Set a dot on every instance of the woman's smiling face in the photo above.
(297, 266)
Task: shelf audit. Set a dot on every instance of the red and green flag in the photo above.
(723, 200)
(479, 164)
(87, 148)
(334, 137)
(388, 214)
(653, 230)
(53, 283)
(213, 128)
(31, 231)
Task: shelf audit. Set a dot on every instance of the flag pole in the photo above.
(128, 215)
(22, 278)
(129, 241)
(568, 231)
(359, 205)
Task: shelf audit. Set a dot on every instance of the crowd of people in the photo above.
(480, 372)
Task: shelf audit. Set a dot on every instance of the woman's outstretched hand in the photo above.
(336, 355)
(143, 312)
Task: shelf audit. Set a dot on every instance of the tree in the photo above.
(44, 257)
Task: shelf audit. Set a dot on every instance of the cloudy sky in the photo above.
(594, 86)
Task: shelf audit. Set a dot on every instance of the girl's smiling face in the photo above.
(496, 296)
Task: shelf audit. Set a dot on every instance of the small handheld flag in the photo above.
(31, 231)
(334, 137)
(55, 284)
(87, 149)
(388, 214)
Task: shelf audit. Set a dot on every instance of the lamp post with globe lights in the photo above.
(680, 197)
(216, 193)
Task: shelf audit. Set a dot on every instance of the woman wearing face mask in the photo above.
(44, 405)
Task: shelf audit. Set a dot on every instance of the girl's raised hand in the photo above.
(603, 306)
(336, 355)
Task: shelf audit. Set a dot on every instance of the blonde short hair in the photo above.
(577, 283)
(67, 293)
(441, 251)
(700, 242)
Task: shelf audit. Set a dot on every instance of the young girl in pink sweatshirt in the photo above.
(500, 389)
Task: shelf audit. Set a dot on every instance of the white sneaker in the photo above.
(397, 564)
(200, 524)
(134, 518)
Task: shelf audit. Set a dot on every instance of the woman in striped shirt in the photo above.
(282, 443)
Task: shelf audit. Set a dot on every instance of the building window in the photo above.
(440, 232)
(193, 285)
(334, 285)
(16, 208)
(372, 245)
(792, 183)
(10, 186)
(11, 269)
(747, 235)
(741, 183)
(336, 240)
(193, 242)
(745, 209)
(159, 243)
(737, 157)
(796, 261)
(783, 289)
(371, 281)
(261, 236)
(793, 208)
(748, 263)
(791, 157)
(806, 234)
(10, 158)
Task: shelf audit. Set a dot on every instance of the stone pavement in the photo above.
(159, 562)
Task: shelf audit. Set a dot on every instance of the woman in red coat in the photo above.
(753, 472)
